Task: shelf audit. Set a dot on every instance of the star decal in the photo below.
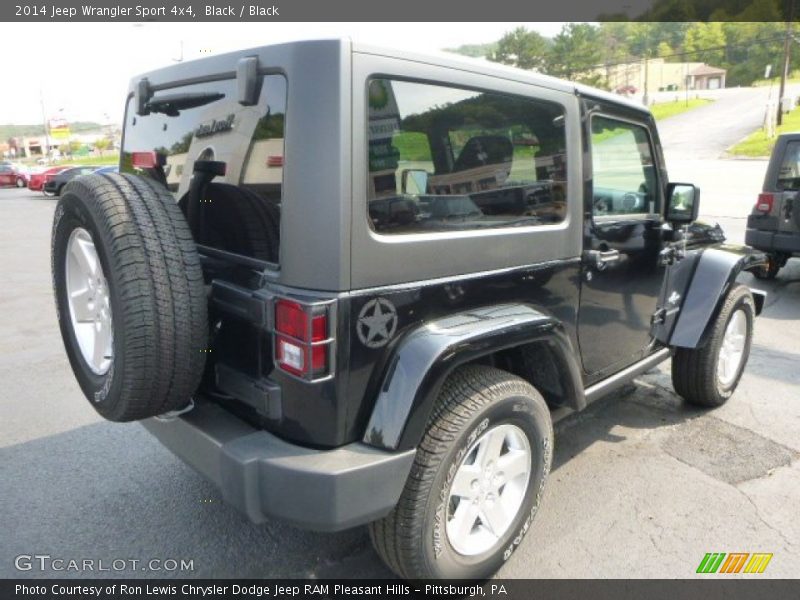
(377, 323)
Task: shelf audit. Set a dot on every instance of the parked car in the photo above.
(391, 343)
(37, 179)
(54, 183)
(109, 169)
(15, 175)
(774, 224)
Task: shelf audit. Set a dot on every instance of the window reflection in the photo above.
(623, 171)
(444, 158)
(789, 175)
(238, 211)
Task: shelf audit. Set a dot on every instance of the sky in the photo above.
(80, 71)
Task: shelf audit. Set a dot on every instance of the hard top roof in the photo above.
(225, 63)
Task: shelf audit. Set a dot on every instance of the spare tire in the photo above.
(129, 295)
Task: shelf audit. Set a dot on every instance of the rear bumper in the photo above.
(771, 241)
(264, 476)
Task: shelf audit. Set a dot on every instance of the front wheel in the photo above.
(708, 376)
(476, 482)
(20, 182)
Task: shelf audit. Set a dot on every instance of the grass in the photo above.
(794, 77)
(109, 159)
(757, 144)
(670, 109)
(412, 146)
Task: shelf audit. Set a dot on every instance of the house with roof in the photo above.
(661, 76)
(706, 77)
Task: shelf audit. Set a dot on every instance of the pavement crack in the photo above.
(647, 525)
(767, 524)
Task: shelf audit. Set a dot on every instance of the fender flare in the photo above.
(714, 274)
(425, 358)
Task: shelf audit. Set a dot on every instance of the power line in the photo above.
(683, 54)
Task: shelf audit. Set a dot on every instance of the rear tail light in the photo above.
(147, 160)
(303, 343)
(764, 203)
(275, 161)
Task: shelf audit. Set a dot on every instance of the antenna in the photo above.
(180, 58)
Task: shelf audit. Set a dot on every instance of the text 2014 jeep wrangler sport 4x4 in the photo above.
(351, 286)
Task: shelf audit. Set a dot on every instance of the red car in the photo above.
(36, 181)
(11, 175)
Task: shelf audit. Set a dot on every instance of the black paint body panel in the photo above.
(549, 290)
(430, 353)
(715, 272)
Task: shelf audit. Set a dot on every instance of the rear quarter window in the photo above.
(444, 158)
(789, 172)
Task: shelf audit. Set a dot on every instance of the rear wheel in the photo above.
(476, 482)
(20, 182)
(770, 270)
(708, 376)
(129, 294)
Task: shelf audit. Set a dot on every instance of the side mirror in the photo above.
(414, 181)
(683, 203)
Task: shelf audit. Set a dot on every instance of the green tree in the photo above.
(474, 50)
(522, 48)
(705, 42)
(270, 126)
(575, 54)
(664, 49)
(751, 46)
(102, 144)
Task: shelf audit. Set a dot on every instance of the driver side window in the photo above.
(624, 172)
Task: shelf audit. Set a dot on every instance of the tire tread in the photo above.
(160, 287)
(466, 392)
(694, 370)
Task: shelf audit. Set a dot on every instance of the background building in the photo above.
(662, 76)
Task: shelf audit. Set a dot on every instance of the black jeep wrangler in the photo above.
(351, 286)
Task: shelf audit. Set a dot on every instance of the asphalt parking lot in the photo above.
(642, 485)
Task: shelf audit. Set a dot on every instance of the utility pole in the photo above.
(686, 79)
(787, 48)
(646, 98)
(46, 149)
